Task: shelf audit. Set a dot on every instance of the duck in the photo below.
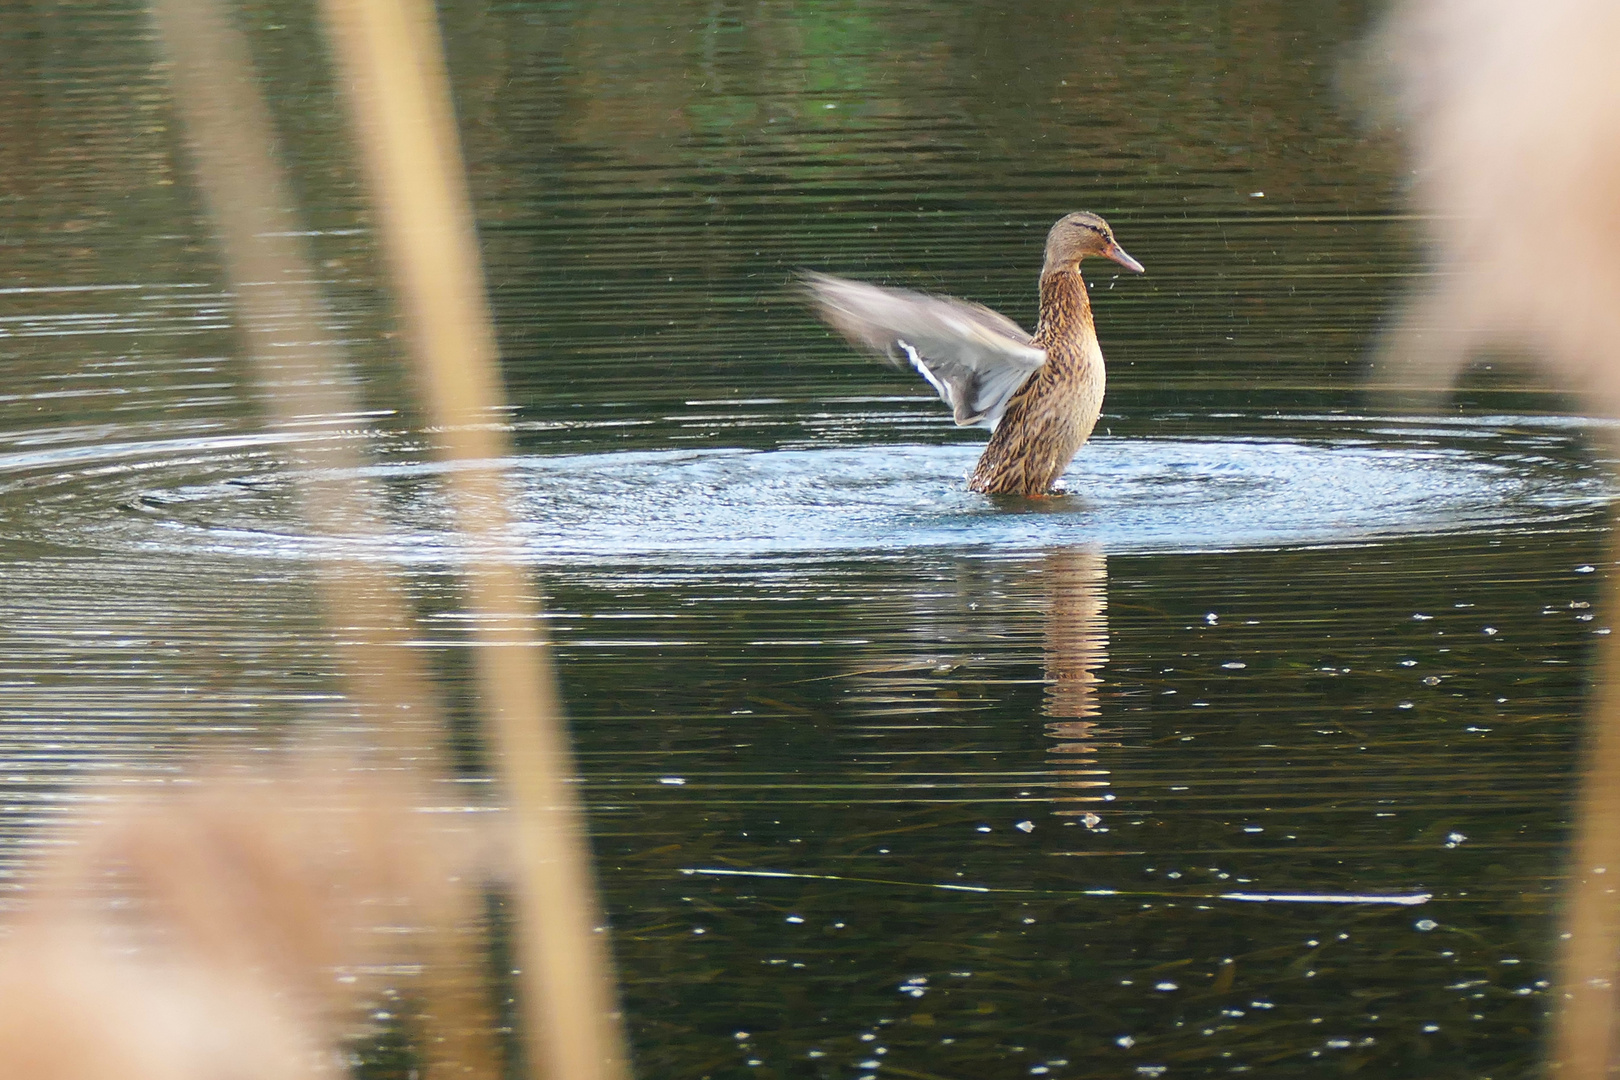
(1039, 394)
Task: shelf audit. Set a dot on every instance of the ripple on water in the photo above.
(1127, 495)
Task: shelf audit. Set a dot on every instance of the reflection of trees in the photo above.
(1155, 92)
(118, 292)
(85, 167)
(685, 153)
(650, 85)
(645, 171)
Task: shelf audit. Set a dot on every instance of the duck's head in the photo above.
(1077, 235)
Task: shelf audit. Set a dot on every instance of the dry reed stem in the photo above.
(393, 67)
(1513, 120)
(304, 381)
(1583, 1043)
(311, 396)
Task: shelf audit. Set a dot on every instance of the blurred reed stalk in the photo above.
(302, 378)
(1511, 115)
(312, 397)
(392, 67)
(1583, 1046)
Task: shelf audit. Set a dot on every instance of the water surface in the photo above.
(885, 778)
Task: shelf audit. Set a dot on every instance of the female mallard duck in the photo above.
(1038, 394)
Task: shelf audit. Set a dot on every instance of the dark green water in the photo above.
(885, 779)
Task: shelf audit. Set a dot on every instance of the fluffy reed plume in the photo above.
(241, 924)
(1512, 113)
(72, 1010)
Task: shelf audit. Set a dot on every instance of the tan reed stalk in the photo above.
(1589, 950)
(391, 61)
(311, 396)
(1511, 113)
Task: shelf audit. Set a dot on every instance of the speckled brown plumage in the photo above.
(1039, 394)
(1051, 415)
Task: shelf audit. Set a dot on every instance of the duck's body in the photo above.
(1051, 415)
(1039, 394)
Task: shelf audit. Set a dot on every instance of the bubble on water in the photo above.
(916, 986)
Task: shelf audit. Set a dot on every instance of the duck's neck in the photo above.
(1065, 309)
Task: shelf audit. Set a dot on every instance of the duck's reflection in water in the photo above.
(974, 640)
(1075, 649)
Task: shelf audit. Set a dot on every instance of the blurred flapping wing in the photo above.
(974, 357)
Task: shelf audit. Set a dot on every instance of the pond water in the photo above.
(1252, 753)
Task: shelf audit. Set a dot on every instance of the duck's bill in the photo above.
(1117, 253)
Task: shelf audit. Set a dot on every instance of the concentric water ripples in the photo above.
(225, 495)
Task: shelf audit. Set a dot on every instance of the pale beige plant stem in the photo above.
(1589, 962)
(313, 399)
(392, 64)
(1511, 112)
(304, 382)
